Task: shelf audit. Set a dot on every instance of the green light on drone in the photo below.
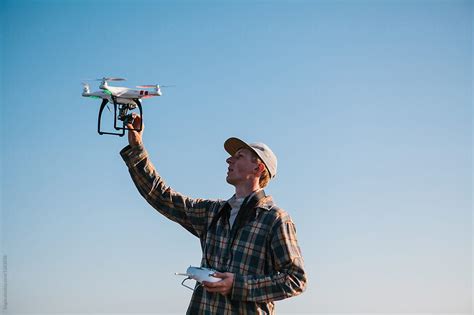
(107, 92)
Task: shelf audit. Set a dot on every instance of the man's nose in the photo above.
(229, 160)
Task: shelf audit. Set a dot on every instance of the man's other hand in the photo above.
(224, 286)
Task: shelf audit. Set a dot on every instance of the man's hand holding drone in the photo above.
(135, 137)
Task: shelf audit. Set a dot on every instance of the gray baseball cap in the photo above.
(232, 145)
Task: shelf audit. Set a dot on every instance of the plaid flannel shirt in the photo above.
(263, 255)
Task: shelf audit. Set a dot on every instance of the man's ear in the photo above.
(260, 167)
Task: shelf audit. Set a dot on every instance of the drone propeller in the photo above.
(150, 86)
(106, 79)
(111, 79)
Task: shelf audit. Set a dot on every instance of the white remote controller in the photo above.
(200, 274)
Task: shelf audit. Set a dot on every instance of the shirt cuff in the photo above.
(132, 155)
(238, 292)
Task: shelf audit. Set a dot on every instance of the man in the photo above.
(247, 239)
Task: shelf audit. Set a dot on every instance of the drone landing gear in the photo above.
(123, 115)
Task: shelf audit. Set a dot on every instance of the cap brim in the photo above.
(232, 145)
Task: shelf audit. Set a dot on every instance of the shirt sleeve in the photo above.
(289, 277)
(190, 213)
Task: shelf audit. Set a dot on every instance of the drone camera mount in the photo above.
(121, 112)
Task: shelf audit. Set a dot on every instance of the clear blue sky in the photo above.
(367, 104)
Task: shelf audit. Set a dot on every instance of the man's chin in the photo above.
(229, 180)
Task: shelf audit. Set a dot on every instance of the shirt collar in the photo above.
(234, 199)
(266, 203)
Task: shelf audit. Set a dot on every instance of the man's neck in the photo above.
(244, 191)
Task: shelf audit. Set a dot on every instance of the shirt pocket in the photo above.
(249, 249)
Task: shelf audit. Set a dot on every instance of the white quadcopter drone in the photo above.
(124, 100)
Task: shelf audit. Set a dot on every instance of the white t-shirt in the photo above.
(236, 203)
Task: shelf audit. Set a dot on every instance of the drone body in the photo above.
(124, 100)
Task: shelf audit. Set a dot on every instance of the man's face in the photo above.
(242, 167)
